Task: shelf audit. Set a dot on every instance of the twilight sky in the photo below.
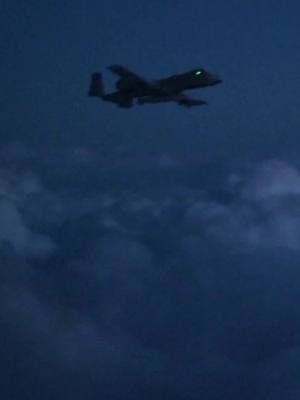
(150, 253)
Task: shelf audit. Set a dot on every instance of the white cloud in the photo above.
(13, 230)
(14, 193)
(265, 213)
(272, 178)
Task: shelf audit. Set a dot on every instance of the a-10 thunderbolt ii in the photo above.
(131, 86)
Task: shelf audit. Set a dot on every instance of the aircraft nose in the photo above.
(215, 79)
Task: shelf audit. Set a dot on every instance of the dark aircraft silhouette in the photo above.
(131, 86)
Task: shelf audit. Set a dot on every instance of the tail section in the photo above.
(96, 85)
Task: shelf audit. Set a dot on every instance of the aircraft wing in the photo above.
(124, 72)
(186, 101)
(180, 99)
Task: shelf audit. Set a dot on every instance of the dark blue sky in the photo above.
(150, 253)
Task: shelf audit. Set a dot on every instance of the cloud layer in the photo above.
(183, 289)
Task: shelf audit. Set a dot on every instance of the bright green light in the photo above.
(198, 72)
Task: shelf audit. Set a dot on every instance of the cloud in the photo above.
(263, 214)
(14, 231)
(272, 179)
(16, 187)
(184, 288)
(75, 343)
(15, 191)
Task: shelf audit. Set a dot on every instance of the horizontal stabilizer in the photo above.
(96, 86)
